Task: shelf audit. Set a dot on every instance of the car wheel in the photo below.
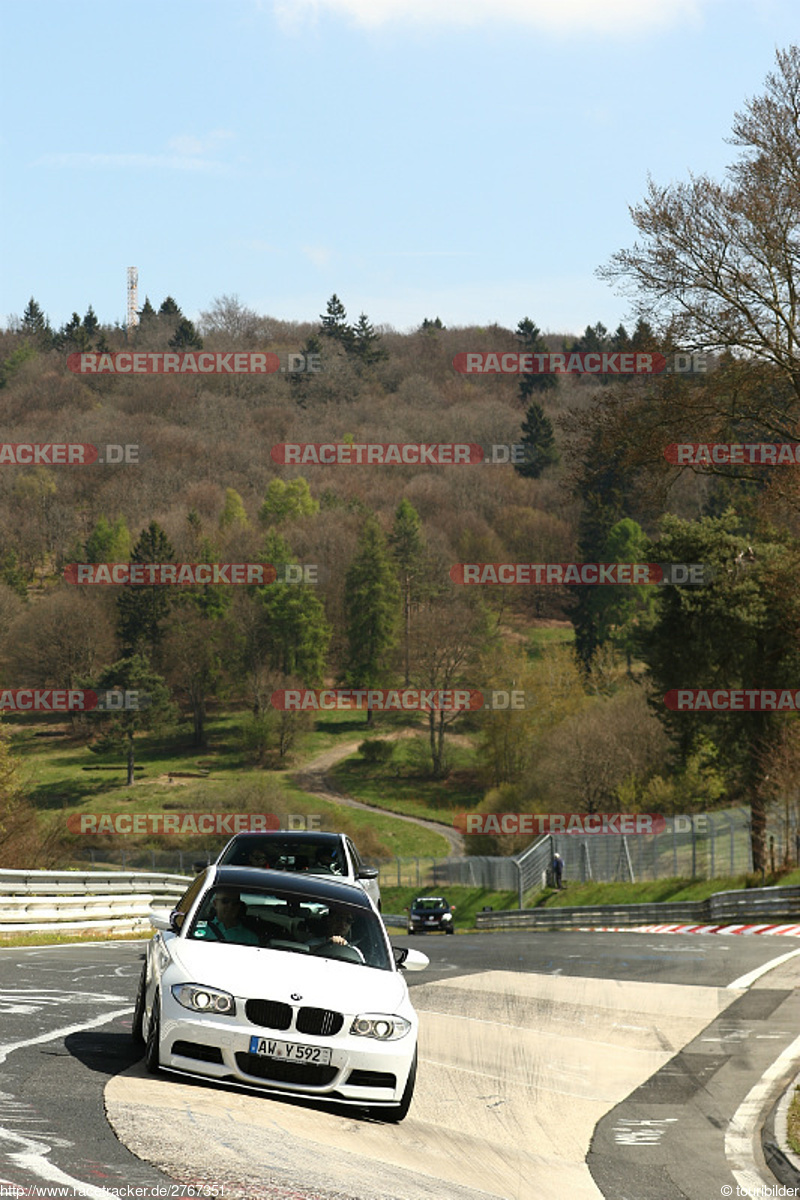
(450, 929)
(399, 1111)
(151, 1053)
(137, 1025)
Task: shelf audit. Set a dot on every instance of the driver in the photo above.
(337, 928)
(227, 923)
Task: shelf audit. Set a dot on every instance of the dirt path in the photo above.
(313, 778)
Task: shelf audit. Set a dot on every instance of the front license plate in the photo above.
(266, 1048)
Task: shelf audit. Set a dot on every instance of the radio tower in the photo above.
(133, 297)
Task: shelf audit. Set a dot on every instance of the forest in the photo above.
(379, 601)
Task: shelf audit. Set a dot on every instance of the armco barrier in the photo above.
(38, 901)
(748, 905)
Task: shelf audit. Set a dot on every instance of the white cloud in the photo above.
(171, 162)
(184, 145)
(318, 255)
(611, 17)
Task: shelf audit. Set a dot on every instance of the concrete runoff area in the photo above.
(516, 1071)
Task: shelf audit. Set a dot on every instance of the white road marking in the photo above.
(744, 981)
(31, 1155)
(747, 1121)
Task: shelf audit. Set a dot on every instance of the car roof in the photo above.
(318, 836)
(320, 888)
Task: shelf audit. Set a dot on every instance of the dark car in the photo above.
(314, 852)
(431, 913)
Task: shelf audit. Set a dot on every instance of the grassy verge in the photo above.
(9, 941)
(468, 901)
(654, 891)
(403, 785)
(793, 1122)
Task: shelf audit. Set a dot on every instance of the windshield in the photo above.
(276, 920)
(431, 903)
(286, 854)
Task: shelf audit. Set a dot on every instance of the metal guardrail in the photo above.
(41, 901)
(747, 905)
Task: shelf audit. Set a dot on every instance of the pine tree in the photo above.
(539, 442)
(298, 633)
(372, 610)
(366, 343)
(185, 336)
(36, 327)
(531, 342)
(334, 323)
(142, 609)
(134, 674)
(408, 550)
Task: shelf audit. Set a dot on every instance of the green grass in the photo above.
(654, 891)
(404, 785)
(57, 786)
(468, 901)
(793, 1122)
(543, 638)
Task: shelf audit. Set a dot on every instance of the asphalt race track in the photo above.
(566, 1065)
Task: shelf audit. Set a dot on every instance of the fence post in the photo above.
(398, 870)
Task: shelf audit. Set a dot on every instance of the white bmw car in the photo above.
(281, 982)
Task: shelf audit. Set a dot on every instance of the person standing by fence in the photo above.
(558, 869)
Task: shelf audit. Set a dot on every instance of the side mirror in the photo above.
(368, 873)
(176, 920)
(161, 918)
(414, 960)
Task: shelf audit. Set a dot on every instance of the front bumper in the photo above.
(361, 1071)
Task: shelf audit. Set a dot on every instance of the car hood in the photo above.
(253, 973)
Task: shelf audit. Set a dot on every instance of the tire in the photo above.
(137, 1025)
(450, 929)
(151, 1053)
(399, 1112)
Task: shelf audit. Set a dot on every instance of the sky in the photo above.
(474, 160)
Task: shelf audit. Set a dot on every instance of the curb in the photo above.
(778, 1154)
(775, 930)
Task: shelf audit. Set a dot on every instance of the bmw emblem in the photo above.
(296, 996)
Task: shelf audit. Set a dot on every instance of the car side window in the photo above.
(354, 856)
(190, 895)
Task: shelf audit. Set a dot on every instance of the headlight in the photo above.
(376, 1025)
(204, 999)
